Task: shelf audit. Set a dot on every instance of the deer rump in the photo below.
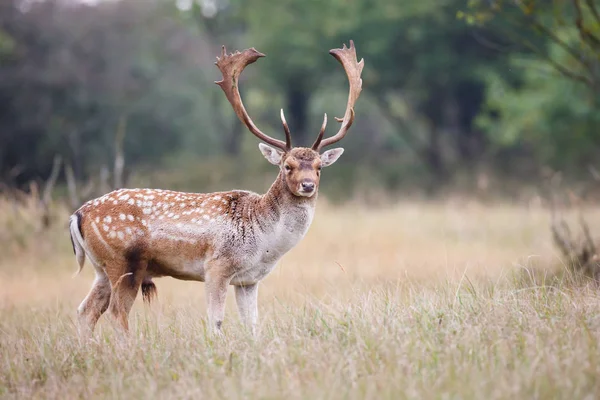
(149, 290)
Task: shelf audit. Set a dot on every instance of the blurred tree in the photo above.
(565, 34)
(426, 75)
(549, 108)
(220, 25)
(553, 120)
(422, 69)
(75, 71)
(455, 95)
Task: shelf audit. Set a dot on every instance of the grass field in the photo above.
(418, 300)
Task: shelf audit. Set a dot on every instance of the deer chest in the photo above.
(273, 245)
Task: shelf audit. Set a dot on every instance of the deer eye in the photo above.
(288, 168)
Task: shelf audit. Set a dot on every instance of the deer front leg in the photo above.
(246, 297)
(216, 293)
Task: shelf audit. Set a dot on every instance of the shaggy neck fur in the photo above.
(279, 197)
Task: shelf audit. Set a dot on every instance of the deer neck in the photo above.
(283, 204)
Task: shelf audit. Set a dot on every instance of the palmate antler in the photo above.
(346, 57)
(232, 65)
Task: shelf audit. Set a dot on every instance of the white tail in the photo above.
(77, 241)
(226, 238)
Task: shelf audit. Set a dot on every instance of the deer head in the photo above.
(300, 166)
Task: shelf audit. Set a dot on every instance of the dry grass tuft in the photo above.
(416, 300)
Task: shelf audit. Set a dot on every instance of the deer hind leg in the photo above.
(94, 304)
(125, 288)
(246, 297)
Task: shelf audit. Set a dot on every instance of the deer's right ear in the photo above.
(272, 155)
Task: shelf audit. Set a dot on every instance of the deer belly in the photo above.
(178, 268)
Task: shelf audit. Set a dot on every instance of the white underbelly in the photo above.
(179, 268)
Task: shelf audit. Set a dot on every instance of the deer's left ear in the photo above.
(331, 156)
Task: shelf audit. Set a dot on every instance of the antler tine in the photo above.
(231, 66)
(347, 57)
(317, 142)
(288, 134)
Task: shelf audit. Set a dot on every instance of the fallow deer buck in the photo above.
(225, 238)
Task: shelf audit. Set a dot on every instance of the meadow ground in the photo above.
(417, 300)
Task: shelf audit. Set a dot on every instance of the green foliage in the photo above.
(7, 44)
(566, 35)
(440, 96)
(75, 75)
(551, 109)
(553, 118)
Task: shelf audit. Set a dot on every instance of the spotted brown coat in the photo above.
(226, 238)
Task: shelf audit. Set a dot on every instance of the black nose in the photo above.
(308, 186)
